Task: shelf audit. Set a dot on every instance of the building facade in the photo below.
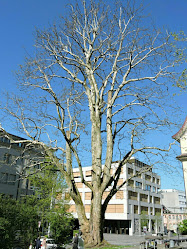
(134, 206)
(15, 158)
(181, 137)
(174, 202)
(172, 221)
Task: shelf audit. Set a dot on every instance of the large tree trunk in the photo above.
(93, 232)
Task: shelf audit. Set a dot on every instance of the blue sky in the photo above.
(18, 19)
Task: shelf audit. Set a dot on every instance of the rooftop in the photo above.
(182, 130)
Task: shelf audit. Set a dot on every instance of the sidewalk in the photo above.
(135, 240)
(122, 239)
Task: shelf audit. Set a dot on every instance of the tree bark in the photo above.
(93, 232)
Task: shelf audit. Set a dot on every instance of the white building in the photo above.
(138, 200)
(181, 137)
(174, 200)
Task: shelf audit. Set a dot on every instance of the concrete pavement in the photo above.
(123, 239)
(135, 240)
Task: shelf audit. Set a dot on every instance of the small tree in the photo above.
(60, 224)
(157, 221)
(49, 187)
(144, 220)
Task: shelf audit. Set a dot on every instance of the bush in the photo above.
(183, 227)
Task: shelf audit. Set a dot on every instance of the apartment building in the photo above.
(174, 202)
(137, 201)
(172, 220)
(14, 160)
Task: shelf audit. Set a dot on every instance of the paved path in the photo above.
(132, 241)
(135, 240)
(122, 239)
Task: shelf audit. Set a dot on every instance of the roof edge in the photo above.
(178, 135)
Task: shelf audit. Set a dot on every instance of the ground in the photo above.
(121, 241)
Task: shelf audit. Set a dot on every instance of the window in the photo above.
(148, 187)
(12, 179)
(130, 171)
(154, 189)
(147, 177)
(138, 184)
(135, 209)
(151, 211)
(143, 197)
(132, 195)
(158, 181)
(144, 210)
(157, 200)
(4, 140)
(182, 202)
(4, 178)
(131, 183)
(7, 158)
(138, 174)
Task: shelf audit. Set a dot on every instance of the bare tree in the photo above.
(99, 80)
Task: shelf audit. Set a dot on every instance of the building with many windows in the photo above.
(15, 158)
(137, 201)
(174, 202)
(172, 221)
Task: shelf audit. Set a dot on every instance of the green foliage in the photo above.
(61, 224)
(183, 227)
(48, 185)
(6, 232)
(17, 220)
(144, 219)
(28, 217)
(75, 231)
(180, 54)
